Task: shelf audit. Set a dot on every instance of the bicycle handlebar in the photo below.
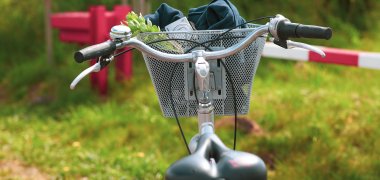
(95, 51)
(279, 27)
(135, 43)
(190, 56)
(295, 30)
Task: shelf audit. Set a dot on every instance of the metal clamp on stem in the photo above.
(205, 107)
(202, 71)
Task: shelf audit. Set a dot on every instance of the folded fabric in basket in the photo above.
(219, 14)
(164, 15)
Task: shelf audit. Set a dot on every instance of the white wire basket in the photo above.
(242, 67)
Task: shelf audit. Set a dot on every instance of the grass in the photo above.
(319, 122)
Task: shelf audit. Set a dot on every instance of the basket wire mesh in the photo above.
(241, 65)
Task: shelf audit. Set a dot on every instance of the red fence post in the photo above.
(123, 62)
(91, 28)
(98, 31)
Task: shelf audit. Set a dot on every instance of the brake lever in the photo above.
(292, 44)
(94, 68)
(288, 44)
(99, 65)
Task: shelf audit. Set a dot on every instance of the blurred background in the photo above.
(311, 121)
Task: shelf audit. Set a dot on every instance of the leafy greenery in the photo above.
(138, 24)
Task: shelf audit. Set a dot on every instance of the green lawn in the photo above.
(318, 122)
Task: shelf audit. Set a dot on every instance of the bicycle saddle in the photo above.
(213, 160)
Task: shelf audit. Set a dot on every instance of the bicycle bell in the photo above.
(120, 32)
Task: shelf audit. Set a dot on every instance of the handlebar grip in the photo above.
(286, 30)
(95, 51)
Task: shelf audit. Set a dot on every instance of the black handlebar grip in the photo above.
(310, 31)
(287, 30)
(95, 51)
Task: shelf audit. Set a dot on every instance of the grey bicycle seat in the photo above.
(213, 160)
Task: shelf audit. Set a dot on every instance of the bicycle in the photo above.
(208, 79)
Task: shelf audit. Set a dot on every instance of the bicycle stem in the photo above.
(205, 107)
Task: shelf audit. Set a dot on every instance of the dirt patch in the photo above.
(40, 94)
(269, 159)
(3, 94)
(245, 125)
(14, 169)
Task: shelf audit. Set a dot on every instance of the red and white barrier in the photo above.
(333, 56)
